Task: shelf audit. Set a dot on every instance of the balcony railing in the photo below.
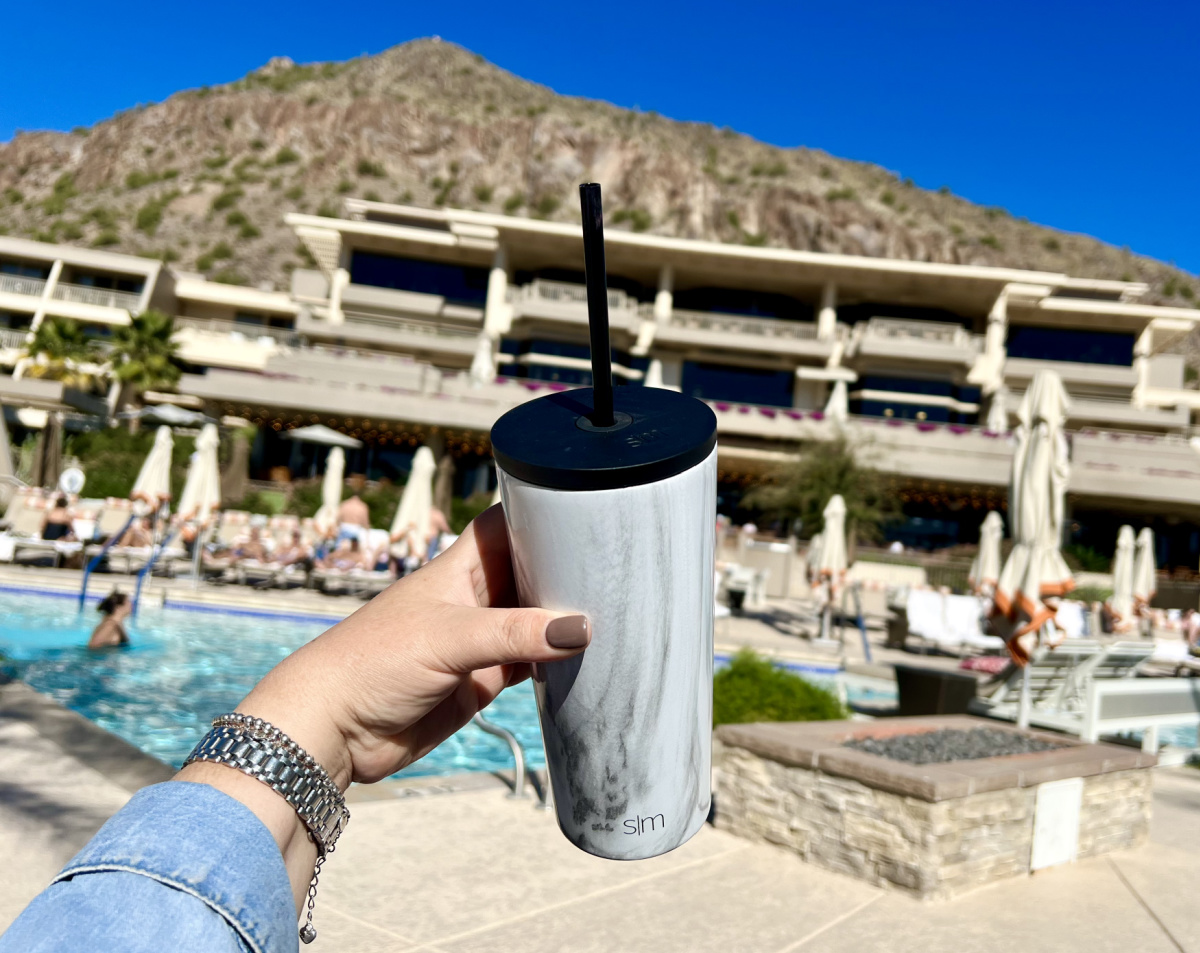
(12, 338)
(103, 297)
(744, 324)
(929, 332)
(407, 327)
(564, 292)
(284, 336)
(20, 285)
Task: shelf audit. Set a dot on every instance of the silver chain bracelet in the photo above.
(260, 750)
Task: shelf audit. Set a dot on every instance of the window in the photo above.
(1065, 344)
(759, 304)
(11, 320)
(458, 284)
(853, 313)
(634, 289)
(742, 385)
(109, 282)
(286, 322)
(24, 269)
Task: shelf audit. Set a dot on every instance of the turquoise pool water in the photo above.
(186, 665)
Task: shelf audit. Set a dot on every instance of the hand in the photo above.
(403, 673)
(390, 683)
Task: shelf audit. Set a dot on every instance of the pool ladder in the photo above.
(522, 773)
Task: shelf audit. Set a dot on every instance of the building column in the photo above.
(988, 371)
(47, 293)
(341, 278)
(827, 315)
(1141, 365)
(664, 300)
(497, 315)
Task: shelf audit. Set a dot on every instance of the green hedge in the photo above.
(754, 689)
(111, 459)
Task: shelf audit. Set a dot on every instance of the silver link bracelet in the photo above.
(260, 750)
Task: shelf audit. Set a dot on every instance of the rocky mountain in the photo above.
(204, 178)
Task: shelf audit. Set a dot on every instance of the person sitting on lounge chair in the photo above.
(295, 552)
(252, 548)
(137, 535)
(57, 524)
(346, 557)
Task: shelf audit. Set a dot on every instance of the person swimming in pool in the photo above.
(110, 633)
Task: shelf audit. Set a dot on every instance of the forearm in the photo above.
(318, 733)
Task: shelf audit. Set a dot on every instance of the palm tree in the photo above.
(143, 355)
(59, 349)
(800, 490)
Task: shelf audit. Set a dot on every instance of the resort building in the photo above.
(424, 326)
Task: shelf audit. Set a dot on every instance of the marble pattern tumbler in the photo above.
(618, 523)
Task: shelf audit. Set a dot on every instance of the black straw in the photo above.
(597, 298)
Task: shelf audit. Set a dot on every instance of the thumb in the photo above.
(482, 638)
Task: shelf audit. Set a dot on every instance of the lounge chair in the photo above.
(1061, 681)
(949, 623)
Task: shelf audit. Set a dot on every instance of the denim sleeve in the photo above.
(180, 867)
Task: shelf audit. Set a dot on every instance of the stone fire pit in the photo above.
(936, 829)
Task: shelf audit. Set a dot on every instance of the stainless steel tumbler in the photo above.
(618, 522)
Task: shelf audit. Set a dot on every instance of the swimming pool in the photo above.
(185, 666)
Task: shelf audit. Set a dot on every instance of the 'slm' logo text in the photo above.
(639, 825)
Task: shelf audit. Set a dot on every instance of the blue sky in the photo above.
(1079, 115)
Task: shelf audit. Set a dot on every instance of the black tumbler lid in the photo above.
(552, 442)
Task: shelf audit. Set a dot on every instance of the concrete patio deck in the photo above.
(454, 866)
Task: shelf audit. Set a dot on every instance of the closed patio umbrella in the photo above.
(413, 514)
(985, 570)
(831, 566)
(1144, 569)
(326, 517)
(1121, 601)
(838, 406)
(153, 483)
(1035, 567)
(202, 489)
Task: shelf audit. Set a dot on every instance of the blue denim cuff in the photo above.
(207, 844)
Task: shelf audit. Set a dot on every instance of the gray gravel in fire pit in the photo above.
(951, 744)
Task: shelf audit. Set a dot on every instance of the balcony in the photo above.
(934, 341)
(563, 301)
(11, 338)
(98, 297)
(240, 331)
(743, 332)
(365, 300)
(1071, 372)
(360, 328)
(212, 342)
(19, 285)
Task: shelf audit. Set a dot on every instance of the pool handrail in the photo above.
(155, 552)
(95, 560)
(514, 745)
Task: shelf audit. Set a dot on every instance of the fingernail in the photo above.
(568, 632)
